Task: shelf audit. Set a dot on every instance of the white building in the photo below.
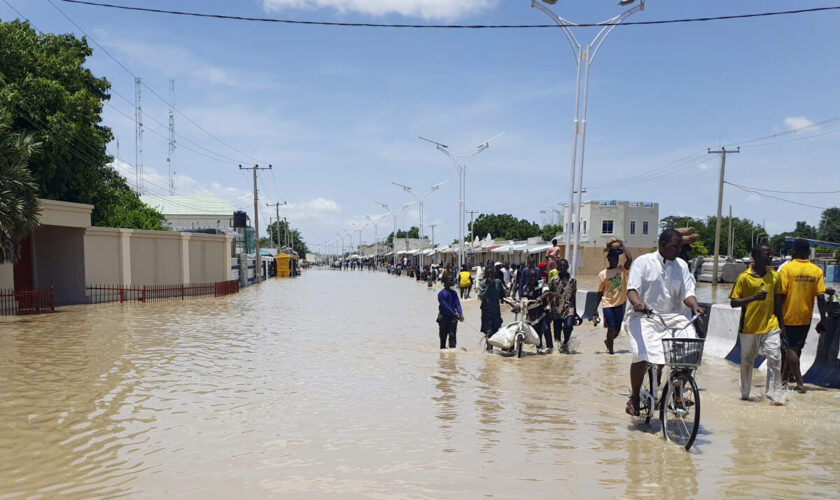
(634, 222)
(185, 213)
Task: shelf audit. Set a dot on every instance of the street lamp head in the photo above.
(625, 2)
(438, 185)
(409, 203)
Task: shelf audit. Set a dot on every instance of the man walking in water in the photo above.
(662, 282)
(449, 313)
(612, 289)
(802, 281)
(757, 292)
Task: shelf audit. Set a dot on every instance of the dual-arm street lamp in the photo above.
(584, 54)
(419, 200)
(375, 220)
(462, 163)
(394, 234)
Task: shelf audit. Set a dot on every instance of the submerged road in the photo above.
(331, 385)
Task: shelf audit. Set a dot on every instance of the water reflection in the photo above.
(302, 389)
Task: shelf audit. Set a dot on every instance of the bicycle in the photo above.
(679, 405)
(520, 330)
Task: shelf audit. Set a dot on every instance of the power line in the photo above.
(782, 192)
(446, 26)
(759, 193)
(152, 90)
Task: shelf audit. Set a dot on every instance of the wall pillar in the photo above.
(185, 258)
(124, 244)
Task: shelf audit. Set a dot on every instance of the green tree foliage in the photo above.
(747, 233)
(18, 192)
(503, 227)
(802, 230)
(550, 231)
(297, 243)
(413, 232)
(50, 94)
(829, 228)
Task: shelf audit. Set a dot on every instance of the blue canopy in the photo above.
(815, 243)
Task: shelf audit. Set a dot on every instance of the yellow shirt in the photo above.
(757, 316)
(613, 283)
(465, 279)
(802, 281)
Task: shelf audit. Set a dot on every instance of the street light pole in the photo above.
(462, 167)
(419, 200)
(584, 56)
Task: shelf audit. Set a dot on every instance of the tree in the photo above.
(51, 95)
(550, 231)
(803, 230)
(829, 228)
(297, 243)
(503, 227)
(413, 232)
(18, 192)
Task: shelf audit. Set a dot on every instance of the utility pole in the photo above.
(285, 232)
(171, 159)
(472, 218)
(258, 267)
(433, 234)
(722, 152)
(138, 137)
(277, 218)
(731, 234)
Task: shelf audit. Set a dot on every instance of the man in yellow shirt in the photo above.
(757, 292)
(802, 281)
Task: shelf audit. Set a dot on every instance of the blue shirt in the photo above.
(450, 305)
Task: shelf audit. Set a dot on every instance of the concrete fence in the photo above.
(133, 257)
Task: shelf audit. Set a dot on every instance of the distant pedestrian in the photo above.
(465, 282)
(612, 289)
(449, 313)
(553, 254)
(802, 281)
(523, 275)
(491, 292)
(562, 302)
(757, 292)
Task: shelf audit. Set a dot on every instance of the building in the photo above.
(189, 213)
(636, 223)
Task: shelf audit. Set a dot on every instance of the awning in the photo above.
(539, 248)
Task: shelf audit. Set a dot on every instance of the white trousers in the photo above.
(768, 345)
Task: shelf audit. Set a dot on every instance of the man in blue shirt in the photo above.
(449, 313)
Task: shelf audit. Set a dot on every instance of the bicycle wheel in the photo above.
(645, 404)
(519, 341)
(680, 409)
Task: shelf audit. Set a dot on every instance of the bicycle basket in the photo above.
(683, 352)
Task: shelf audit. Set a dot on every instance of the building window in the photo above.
(584, 227)
(632, 227)
(645, 227)
(607, 203)
(607, 227)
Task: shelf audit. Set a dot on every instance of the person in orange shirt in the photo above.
(802, 281)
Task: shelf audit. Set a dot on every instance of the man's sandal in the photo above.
(630, 409)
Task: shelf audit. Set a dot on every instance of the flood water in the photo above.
(331, 385)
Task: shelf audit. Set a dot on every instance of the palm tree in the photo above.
(18, 192)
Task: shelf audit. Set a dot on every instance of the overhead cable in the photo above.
(446, 26)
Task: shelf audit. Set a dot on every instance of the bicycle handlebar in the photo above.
(650, 313)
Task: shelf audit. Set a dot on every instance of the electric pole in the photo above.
(138, 137)
(433, 234)
(722, 152)
(258, 267)
(171, 159)
(277, 218)
(472, 217)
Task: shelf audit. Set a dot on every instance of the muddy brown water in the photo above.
(331, 386)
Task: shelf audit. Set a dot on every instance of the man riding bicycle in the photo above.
(661, 282)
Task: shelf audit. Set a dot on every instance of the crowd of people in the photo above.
(776, 305)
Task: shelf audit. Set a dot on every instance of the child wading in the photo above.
(612, 289)
(449, 313)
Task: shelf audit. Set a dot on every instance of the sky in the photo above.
(337, 111)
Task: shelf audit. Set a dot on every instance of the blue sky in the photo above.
(337, 111)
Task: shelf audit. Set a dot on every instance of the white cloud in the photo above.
(703, 167)
(427, 9)
(180, 63)
(798, 122)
